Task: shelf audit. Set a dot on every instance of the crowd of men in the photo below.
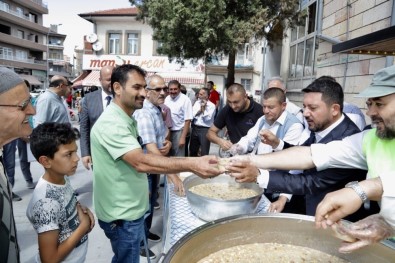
(133, 124)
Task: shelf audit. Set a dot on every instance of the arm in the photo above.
(85, 136)
(51, 251)
(185, 131)
(212, 136)
(204, 167)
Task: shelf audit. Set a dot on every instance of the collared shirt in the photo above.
(104, 98)
(181, 110)
(205, 118)
(150, 124)
(120, 192)
(50, 108)
(292, 136)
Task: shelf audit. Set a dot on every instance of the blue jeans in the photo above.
(125, 238)
(153, 190)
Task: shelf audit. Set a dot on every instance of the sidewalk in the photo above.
(99, 249)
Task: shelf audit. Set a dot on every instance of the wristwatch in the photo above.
(358, 189)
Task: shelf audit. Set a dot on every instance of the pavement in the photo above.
(99, 248)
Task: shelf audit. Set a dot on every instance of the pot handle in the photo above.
(161, 258)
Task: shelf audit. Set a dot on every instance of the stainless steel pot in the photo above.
(209, 209)
(280, 228)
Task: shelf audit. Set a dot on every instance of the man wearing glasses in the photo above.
(15, 110)
(50, 105)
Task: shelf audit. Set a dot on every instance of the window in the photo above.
(133, 43)
(20, 55)
(114, 43)
(157, 45)
(244, 55)
(303, 43)
(6, 53)
(246, 84)
(20, 34)
(19, 11)
(4, 6)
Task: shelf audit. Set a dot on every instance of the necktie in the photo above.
(108, 98)
(312, 138)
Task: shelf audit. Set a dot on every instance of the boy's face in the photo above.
(65, 161)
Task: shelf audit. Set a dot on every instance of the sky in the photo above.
(66, 13)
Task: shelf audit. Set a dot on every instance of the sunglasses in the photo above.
(23, 106)
(165, 89)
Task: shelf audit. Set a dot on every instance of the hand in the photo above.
(267, 137)
(205, 166)
(367, 231)
(178, 185)
(166, 148)
(335, 206)
(85, 221)
(236, 149)
(242, 170)
(87, 162)
(225, 144)
(278, 206)
(88, 212)
(181, 142)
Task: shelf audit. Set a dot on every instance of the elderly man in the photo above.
(238, 116)
(120, 185)
(15, 110)
(203, 118)
(50, 105)
(372, 150)
(93, 105)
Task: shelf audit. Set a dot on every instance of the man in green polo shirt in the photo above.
(120, 185)
(371, 150)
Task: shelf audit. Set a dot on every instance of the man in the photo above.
(93, 105)
(371, 150)
(238, 116)
(153, 131)
(120, 185)
(15, 110)
(214, 96)
(50, 105)
(323, 107)
(278, 82)
(276, 120)
(203, 118)
(181, 114)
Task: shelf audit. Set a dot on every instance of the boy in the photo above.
(61, 222)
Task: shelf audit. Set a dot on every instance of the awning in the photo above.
(78, 80)
(183, 78)
(32, 79)
(381, 42)
(92, 79)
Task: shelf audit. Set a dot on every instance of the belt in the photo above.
(200, 127)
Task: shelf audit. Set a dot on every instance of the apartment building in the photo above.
(58, 63)
(23, 38)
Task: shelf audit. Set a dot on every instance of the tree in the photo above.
(194, 29)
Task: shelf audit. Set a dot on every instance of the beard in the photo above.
(383, 131)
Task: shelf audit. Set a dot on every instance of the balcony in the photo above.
(20, 19)
(15, 41)
(18, 62)
(36, 5)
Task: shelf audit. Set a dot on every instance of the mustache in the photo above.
(376, 119)
(140, 97)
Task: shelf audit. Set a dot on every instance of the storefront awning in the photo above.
(32, 79)
(92, 79)
(381, 42)
(183, 78)
(77, 82)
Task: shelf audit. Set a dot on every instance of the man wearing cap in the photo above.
(15, 110)
(372, 150)
(50, 105)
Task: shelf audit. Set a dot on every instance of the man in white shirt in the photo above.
(203, 118)
(181, 114)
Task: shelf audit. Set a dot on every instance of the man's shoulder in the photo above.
(94, 94)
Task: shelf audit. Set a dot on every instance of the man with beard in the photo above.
(238, 116)
(372, 150)
(120, 185)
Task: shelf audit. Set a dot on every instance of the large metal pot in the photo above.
(209, 209)
(280, 228)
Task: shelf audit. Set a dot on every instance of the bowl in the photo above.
(209, 209)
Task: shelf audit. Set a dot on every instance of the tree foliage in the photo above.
(194, 29)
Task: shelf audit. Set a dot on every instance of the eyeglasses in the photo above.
(165, 89)
(23, 106)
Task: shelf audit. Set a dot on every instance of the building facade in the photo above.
(58, 63)
(23, 39)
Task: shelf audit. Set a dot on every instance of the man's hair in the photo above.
(183, 89)
(120, 74)
(278, 78)
(174, 82)
(274, 93)
(212, 83)
(151, 78)
(332, 92)
(235, 87)
(47, 137)
(57, 82)
(206, 90)
(327, 77)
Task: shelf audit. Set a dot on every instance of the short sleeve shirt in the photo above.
(50, 108)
